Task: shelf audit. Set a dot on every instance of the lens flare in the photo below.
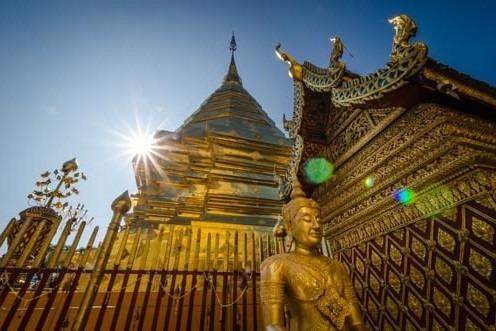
(369, 182)
(141, 145)
(318, 170)
(405, 196)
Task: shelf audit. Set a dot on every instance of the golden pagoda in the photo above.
(217, 173)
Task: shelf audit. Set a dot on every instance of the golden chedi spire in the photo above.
(232, 73)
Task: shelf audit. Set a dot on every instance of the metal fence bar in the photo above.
(37, 295)
(245, 280)
(213, 284)
(19, 298)
(51, 299)
(158, 301)
(170, 300)
(68, 300)
(120, 299)
(106, 297)
(205, 284)
(189, 317)
(235, 283)
(253, 282)
(146, 297)
(9, 276)
(132, 304)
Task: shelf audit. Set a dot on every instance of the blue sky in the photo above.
(77, 75)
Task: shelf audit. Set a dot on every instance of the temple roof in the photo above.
(231, 110)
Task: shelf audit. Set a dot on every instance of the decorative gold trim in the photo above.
(322, 80)
(476, 182)
(286, 182)
(316, 78)
(406, 60)
(449, 84)
(409, 155)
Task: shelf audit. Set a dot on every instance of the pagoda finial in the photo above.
(232, 45)
(232, 74)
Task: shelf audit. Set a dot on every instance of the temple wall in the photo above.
(411, 211)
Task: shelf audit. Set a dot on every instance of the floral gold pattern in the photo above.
(417, 277)
(418, 248)
(483, 230)
(374, 283)
(442, 302)
(415, 305)
(481, 264)
(446, 241)
(395, 255)
(444, 270)
(477, 299)
(394, 282)
(392, 307)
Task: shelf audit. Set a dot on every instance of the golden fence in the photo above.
(171, 278)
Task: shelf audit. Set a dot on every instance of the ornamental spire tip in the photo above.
(232, 45)
(232, 73)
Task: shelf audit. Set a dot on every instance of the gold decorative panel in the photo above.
(392, 308)
(478, 300)
(395, 255)
(429, 278)
(374, 283)
(415, 305)
(376, 260)
(481, 264)
(394, 282)
(483, 230)
(446, 241)
(419, 249)
(417, 277)
(443, 270)
(442, 302)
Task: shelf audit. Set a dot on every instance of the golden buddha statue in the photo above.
(317, 289)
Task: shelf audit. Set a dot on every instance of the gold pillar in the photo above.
(17, 240)
(29, 248)
(8, 229)
(63, 237)
(119, 207)
(70, 254)
(89, 247)
(48, 239)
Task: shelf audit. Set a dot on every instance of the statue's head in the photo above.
(302, 219)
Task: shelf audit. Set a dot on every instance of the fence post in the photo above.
(120, 206)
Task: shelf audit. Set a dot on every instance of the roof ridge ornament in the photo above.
(316, 78)
(337, 51)
(406, 60)
(295, 69)
(405, 28)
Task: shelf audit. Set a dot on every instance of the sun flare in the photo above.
(136, 142)
(141, 145)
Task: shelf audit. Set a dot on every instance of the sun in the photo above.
(141, 145)
(136, 142)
